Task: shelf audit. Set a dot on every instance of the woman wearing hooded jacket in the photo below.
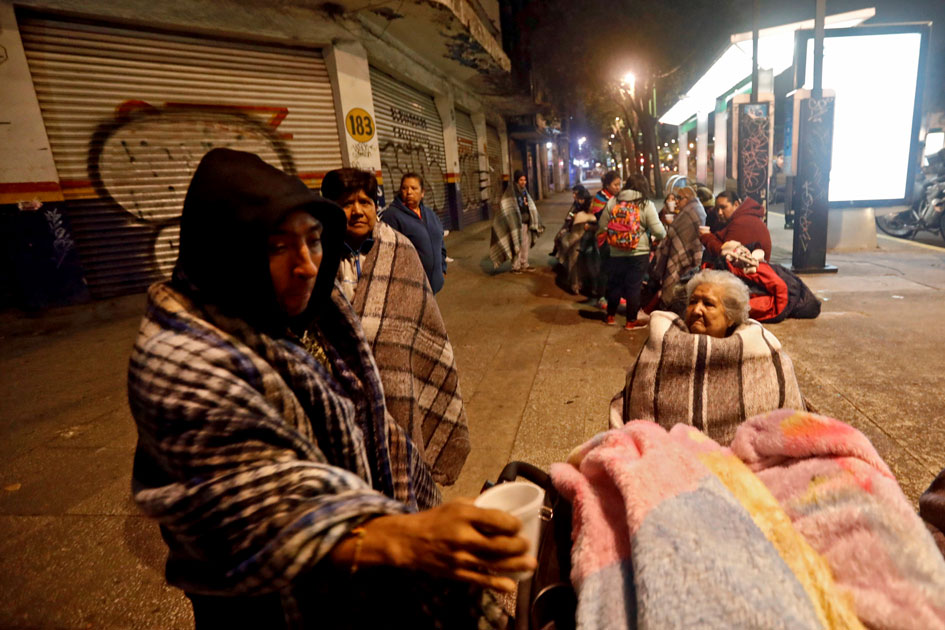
(628, 222)
(742, 221)
(286, 494)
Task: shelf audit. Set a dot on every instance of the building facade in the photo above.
(107, 109)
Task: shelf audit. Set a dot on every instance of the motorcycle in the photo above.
(928, 211)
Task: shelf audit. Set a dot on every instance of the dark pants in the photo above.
(624, 280)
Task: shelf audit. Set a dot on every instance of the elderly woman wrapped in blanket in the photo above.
(713, 369)
(287, 495)
(384, 279)
(798, 525)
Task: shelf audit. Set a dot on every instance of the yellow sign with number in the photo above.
(359, 124)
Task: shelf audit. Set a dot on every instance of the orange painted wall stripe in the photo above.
(13, 192)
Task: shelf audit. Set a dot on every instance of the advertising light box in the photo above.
(877, 75)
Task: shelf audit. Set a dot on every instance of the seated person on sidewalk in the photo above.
(742, 221)
(515, 227)
(678, 253)
(284, 491)
(577, 247)
(581, 201)
(388, 289)
(712, 369)
(408, 215)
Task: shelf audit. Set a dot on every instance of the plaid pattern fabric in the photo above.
(403, 325)
(712, 383)
(679, 252)
(253, 458)
(506, 238)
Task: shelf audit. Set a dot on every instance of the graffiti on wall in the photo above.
(140, 163)
(412, 150)
(754, 127)
(473, 180)
(813, 179)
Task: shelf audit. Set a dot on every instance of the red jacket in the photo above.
(745, 226)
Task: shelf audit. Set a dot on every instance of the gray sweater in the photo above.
(649, 218)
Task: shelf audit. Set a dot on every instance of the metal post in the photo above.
(819, 19)
(756, 10)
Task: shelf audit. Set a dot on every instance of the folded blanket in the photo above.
(711, 383)
(672, 531)
(842, 497)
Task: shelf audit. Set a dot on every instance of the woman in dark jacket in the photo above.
(742, 222)
(412, 218)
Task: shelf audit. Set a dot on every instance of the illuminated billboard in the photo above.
(877, 74)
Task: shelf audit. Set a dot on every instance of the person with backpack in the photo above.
(627, 224)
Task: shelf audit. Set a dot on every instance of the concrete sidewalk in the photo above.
(538, 369)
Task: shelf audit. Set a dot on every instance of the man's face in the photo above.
(725, 208)
(705, 314)
(295, 252)
(411, 193)
(614, 187)
(520, 182)
(362, 217)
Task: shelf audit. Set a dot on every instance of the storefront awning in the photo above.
(775, 52)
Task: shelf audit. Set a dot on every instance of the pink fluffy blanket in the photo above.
(799, 524)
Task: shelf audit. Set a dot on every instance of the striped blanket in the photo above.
(798, 525)
(252, 456)
(506, 239)
(403, 325)
(711, 383)
(679, 252)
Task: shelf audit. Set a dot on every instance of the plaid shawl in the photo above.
(712, 383)
(403, 326)
(679, 252)
(253, 458)
(506, 238)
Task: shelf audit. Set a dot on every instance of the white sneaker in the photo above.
(446, 233)
(449, 260)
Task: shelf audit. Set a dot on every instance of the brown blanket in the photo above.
(679, 252)
(712, 383)
(403, 325)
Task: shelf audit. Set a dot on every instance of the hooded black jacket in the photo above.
(234, 202)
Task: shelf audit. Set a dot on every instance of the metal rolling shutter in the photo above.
(129, 114)
(410, 134)
(469, 175)
(494, 149)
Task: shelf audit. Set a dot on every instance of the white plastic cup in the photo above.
(523, 501)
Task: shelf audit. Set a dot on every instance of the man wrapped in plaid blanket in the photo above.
(285, 492)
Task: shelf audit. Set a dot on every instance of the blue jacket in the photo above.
(426, 235)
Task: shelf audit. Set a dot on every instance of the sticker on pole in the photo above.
(359, 124)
